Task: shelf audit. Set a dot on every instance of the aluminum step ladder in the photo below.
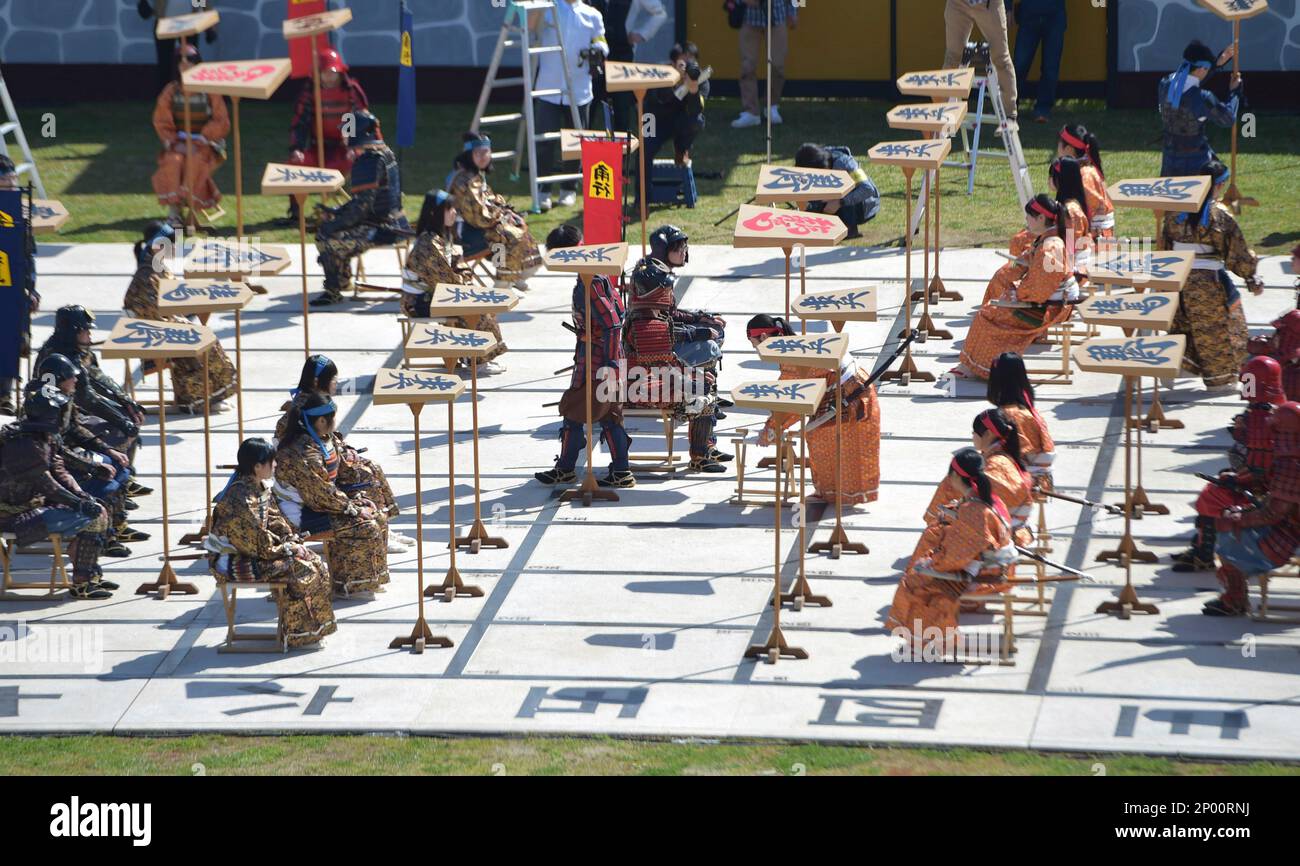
(988, 92)
(11, 126)
(515, 34)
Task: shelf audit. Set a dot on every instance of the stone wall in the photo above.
(1270, 41)
(447, 32)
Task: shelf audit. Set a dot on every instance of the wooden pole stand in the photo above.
(907, 372)
(452, 586)
(926, 323)
(477, 538)
(166, 584)
(197, 537)
(775, 647)
(1127, 552)
(1141, 503)
(1127, 604)
(301, 198)
(589, 491)
(839, 542)
(937, 289)
(1233, 197)
(1156, 418)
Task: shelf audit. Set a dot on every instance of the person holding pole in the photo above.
(753, 29)
(190, 155)
(1186, 106)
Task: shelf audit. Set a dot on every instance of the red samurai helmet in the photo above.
(1285, 424)
(1288, 335)
(1261, 379)
(332, 61)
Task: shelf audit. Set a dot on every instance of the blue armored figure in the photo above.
(1186, 106)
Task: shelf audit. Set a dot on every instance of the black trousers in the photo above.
(552, 118)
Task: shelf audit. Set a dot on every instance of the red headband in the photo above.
(1038, 206)
(764, 332)
(955, 467)
(986, 420)
(1069, 139)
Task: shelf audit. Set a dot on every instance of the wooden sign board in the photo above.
(927, 155)
(48, 215)
(779, 183)
(146, 338)
(180, 26)
(938, 82)
(938, 117)
(796, 396)
(281, 179)
(454, 299)
(1235, 10)
(415, 386)
(442, 341)
(590, 259)
(1183, 194)
(571, 141)
(1160, 356)
(314, 25)
(824, 351)
(253, 79)
(1158, 270)
(224, 260)
(777, 227)
(838, 305)
(639, 76)
(1153, 310)
(192, 297)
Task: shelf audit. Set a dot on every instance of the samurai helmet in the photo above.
(1261, 379)
(71, 319)
(365, 129)
(332, 61)
(664, 239)
(43, 410)
(652, 284)
(1288, 335)
(56, 368)
(1285, 424)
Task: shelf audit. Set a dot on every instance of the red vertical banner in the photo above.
(300, 49)
(602, 191)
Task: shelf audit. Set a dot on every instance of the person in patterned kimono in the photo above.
(189, 156)
(1009, 389)
(39, 497)
(1043, 296)
(490, 222)
(860, 478)
(436, 258)
(1256, 540)
(1185, 106)
(1076, 142)
(356, 472)
(251, 540)
(1249, 460)
(371, 218)
(967, 551)
(141, 301)
(1209, 312)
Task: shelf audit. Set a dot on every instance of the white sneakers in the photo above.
(491, 368)
(398, 543)
(748, 119)
(544, 204)
(568, 198)
(776, 115)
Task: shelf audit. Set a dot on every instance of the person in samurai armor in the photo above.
(1249, 457)
(607, 356)
(141, 301)
(189, 156)
(373, 217)
(39, 497)
(103, 406)
(1186, 106)
(19, 328)
(1258, 538)
(1284, 345)
(250, 539)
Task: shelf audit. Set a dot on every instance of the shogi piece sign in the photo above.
(639, 76)
(925, 155)
(145, 338)
(314, 25)
(280, 179)
(254, 79)
(48, 215)
(825, 351)
(409, 386)
(193, 297)
(454, 299)
(939, 117)
(1160, 271)
(1183, 194)
(181, 26)
(840, 305)
(778, 183)
(773, 227)
(937, 82)
(1235, 10)
(1160, 356)
(1155, 311)
(571, 141)
(589, 260)
(442, 341)
(798, 396)
(214, 259)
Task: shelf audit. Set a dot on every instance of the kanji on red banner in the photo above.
(602, 191)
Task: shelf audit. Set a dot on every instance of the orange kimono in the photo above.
(861, 438)
(176, 176)
(1013, 329)
(1099, 203)
(1078, 231)
(1008, 274)
(923, 603)
(1013, 487)
(1036, 444)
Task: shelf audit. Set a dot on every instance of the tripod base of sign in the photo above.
(907, 372)
(589, 491)
(1156, 419)
(1236, 201)
(932, 332)
(775, 648)
(1127, 604)
(1142, 504)
(452, 587)
(166, 584)
(1127, 549)
(939, 290)
(477, 538)
(801, 594)
(196, 537)
(838, 543)
(420, 638)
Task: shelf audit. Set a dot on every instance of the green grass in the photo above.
(100, 161)
(220, 754)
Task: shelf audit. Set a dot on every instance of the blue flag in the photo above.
(406, 82)
(14, 306)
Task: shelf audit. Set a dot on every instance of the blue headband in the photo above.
(328, 408)
(1179, 84)
(477, 143)
(440, 196)
(1205, 211)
